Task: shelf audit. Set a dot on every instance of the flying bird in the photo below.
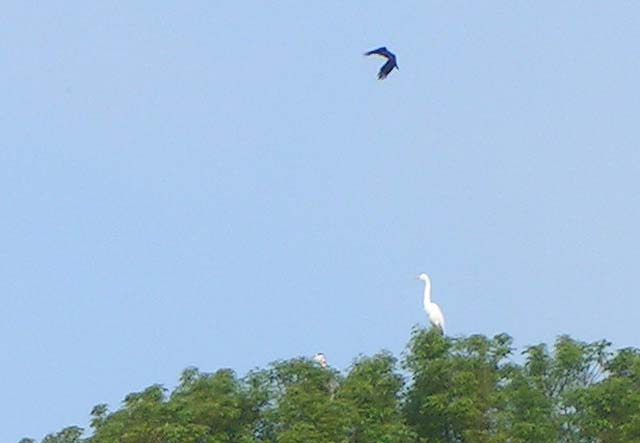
(433, 310)
(389, 65)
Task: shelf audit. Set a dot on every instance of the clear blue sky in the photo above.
(224, 184)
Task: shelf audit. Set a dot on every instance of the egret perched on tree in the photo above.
(433, 310)
(389, 65)
(332, 383)
(320, 358)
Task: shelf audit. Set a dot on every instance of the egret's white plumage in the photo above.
(433, 310)
(321, 359)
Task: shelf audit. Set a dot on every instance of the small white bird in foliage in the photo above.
(433, 310)
(321, 359)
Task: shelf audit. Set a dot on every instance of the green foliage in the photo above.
(525, 413)
(456, 386)
(305, 409)
(72, 434)
(448, 390)
(574, 367)
(610, 409)
(372, 389)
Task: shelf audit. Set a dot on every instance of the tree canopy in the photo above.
(444, 390)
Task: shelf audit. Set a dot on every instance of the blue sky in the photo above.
(224, 184)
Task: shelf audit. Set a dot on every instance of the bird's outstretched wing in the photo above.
(386, 69)
(383, 51)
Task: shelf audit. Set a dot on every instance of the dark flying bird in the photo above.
(389, 65)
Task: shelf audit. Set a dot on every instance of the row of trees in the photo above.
(444, 390)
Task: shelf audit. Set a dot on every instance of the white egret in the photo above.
(433, 310)
(321, 359)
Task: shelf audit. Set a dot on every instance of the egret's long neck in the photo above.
(427, 292)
